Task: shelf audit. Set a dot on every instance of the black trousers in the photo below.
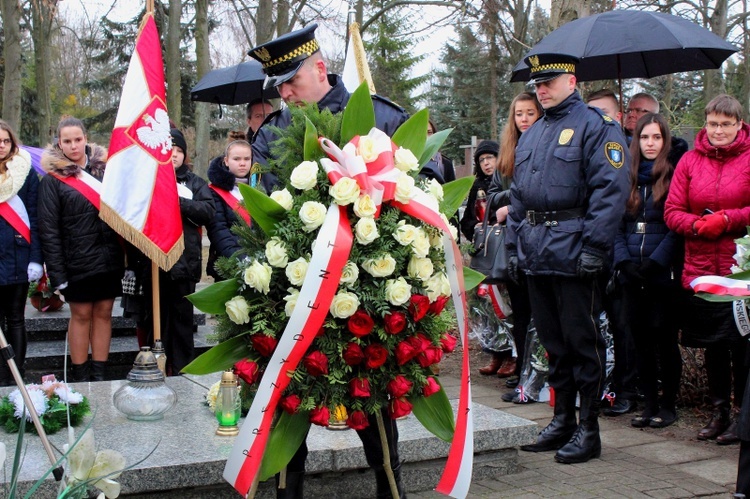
(566, 313)
(13, 322)
(519, 302)
(724, 361)
(743, 469)
(625, 373)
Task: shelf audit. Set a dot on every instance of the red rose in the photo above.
(376, 355)
(421, 342)
(316, 363)
(357, 420)
(264, 345)
(320, 416)
(448, 342)
(360, 324)
(247, 370)
(395, 322)
(431, 387)
(399, 386)
(291, 404)
(431, 355)
(321, 332)
(439, 304)
(404, 353)
(353, 354)
(400, 407)
(359, 387)
(418, 307)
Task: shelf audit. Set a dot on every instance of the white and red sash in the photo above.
(14, 212)
(234, 201)
(88, 186)
(726, 286)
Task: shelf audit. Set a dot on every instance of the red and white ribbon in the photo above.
(724, 286)
(14, 212)
(88, 186)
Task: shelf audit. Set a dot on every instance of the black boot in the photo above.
(384, 486)
(295, 481)
(79, 372)
(561, 428)
(585, 443)
(98, 370)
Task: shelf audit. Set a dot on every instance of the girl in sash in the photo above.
(225, 173)
(20, 251)
(84, 256)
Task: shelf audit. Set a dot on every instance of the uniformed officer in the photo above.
(294, 65)
(568, 196)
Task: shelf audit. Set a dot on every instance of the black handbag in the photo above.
(489, 255)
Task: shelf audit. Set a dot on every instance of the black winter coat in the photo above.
(15, 251)
(469, 218)
(223, 241)
(195, 213)
(76, 243)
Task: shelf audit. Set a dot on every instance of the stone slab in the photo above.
(670, 452)
(720, 471)
(624, 437)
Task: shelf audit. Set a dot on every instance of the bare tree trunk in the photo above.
(746, 57)
(494, 53)
(265, 26)
(202, 113)
(42, 15)
(283, 22)
(11, 12)
(713, 83)
(174, 103)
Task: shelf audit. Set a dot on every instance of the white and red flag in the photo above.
(139, 191)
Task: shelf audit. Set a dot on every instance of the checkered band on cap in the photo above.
(562, 67)
(302, 52)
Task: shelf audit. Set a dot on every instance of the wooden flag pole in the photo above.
(155, 300)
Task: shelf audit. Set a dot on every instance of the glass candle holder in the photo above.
(145, 397)
(228, 405)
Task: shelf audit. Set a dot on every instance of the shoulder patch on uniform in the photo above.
(387, 101)
(606, 118)
(614, 153)
(565, 136)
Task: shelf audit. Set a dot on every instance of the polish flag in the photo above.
(139, 190)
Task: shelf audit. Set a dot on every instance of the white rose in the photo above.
(436, 238)
(291, 301)
(438, 285)
(404, 189)
(397, 291)
(380, 267)
(420, 268)
(367, 149)
(284, 198)
(238, 310)
(405, 160)
(276, 253)
(258, 276)
(405, 233)
(345, 191)
(453, 231)
(365, 207)
(421, 244)
(312, 214)
(305, 176)
(296, 271)
(350, 274)
(435, 189)
(366, 231)
(344, 305)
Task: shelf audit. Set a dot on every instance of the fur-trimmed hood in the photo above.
(54, 161)
(219, 175)
(12, 180)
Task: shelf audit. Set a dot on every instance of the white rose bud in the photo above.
(421, 244)
(420, 268)
(366, 231)
(344, 305)
(305, 176)
(291, 301)
(436, 238)
(437, 285)
(350, 274)
(284, 198)
(397, 291)
(366, 149)
(364, 207)
(258, 276)
(380, 267)
(404, 189)
(405, 160)
(345, 191)
(434, 188)
(405, 233)
(276, 253)
(296, 271)
(312, 214)
(238, 310)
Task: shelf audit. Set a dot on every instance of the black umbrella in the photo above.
(238, 84)
(631, 44)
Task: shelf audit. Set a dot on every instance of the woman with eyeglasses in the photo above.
(709, 205)
(20, 250)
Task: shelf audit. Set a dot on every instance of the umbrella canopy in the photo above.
(238, 84)
(631, 44)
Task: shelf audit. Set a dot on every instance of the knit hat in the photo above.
(486, 147)
(178, 140)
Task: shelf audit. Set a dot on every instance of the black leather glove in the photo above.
(630, 270)
(589, 266)
(649, 268)
(513, 267)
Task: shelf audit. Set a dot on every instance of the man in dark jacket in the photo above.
(294, 65)
(568, 197)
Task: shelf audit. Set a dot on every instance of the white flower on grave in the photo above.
(421, 244)
(380, 267)
(405, 189)
(366, 231)
(397, 291)
(437, 285)
(345, 191)
(405, 233)
(67, 394)
(284, 198)
(405, 160)
(350, 274)
(291, 301)
(420, 268)
(238, 310)
(98, 468)
(344, 305)
(296, 271)
(276, 253)
(38, 400)
(435, 189)
(305, 175)
(258, 276)
(312, 214)
(365, 207)
(213, 392)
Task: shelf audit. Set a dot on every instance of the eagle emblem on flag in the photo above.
(156, 131)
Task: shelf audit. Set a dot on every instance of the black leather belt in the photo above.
(551, 218)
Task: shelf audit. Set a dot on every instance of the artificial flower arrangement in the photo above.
(41, 296)
(388, 323)
(50, 400)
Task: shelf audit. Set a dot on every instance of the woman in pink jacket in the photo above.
(709, 204)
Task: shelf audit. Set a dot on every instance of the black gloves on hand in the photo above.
(649, 268)
(630, 270)
(589, 266)
(513, 267)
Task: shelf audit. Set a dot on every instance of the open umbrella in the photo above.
(238, 84)
(631, 44)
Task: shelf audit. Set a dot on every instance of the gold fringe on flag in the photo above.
(363, 69)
